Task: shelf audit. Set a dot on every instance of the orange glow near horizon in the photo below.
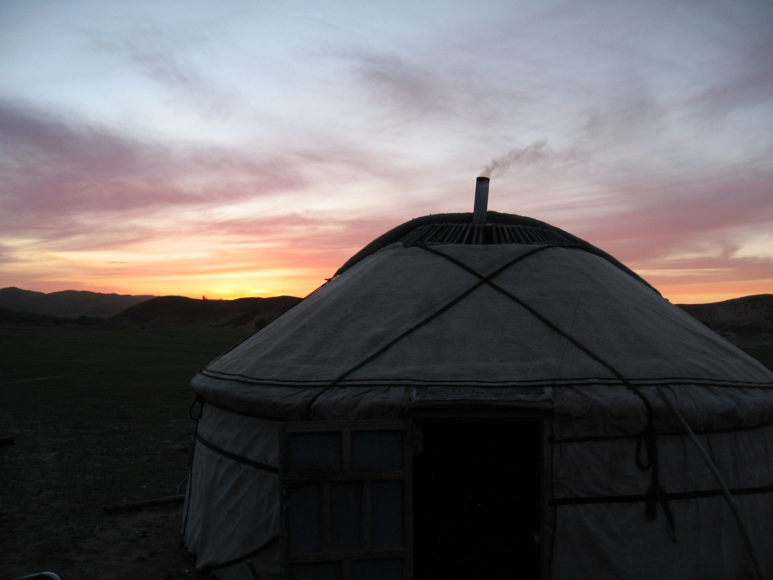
(294, 255)
(300, 281)
(716, 292)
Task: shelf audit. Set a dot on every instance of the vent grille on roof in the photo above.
(490, 233)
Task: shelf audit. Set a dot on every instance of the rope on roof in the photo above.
(655, 494)
(509, 228)
(482, 280)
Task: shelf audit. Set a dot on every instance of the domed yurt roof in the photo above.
(442, 308)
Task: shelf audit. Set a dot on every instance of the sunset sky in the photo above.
(248, 148)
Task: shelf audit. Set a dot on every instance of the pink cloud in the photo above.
(666, 218)
(54, 168)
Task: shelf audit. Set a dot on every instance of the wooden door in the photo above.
(346, 500)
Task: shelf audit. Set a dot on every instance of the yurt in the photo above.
(482, 396)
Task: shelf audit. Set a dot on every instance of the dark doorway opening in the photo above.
(477, 486)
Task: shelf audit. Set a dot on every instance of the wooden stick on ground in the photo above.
(138, 505)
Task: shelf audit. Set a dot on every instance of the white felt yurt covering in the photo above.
(547, 323)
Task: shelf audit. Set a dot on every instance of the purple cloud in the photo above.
(666, 220)
(405, 84)
(54, 167)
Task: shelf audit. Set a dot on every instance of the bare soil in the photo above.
(100, 417)
(52, 518)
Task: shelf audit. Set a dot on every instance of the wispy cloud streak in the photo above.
(157, 54)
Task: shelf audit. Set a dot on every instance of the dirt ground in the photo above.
(58, 525)
(136, 545)
(100, 417)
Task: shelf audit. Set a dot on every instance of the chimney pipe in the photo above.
(481, 200)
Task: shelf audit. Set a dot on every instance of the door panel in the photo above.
(346, 500)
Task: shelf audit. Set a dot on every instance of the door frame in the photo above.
(467, 410)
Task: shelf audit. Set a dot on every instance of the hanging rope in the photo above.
(721, 482)
(655, 493)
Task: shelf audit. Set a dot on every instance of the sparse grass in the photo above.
(100, 416)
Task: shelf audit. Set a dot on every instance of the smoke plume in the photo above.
(532, 153)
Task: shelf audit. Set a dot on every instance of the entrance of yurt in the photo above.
(478, 499)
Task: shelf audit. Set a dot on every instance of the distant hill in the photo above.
(69, 304)
(740, 316)
(747, 315)
(247, 313)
